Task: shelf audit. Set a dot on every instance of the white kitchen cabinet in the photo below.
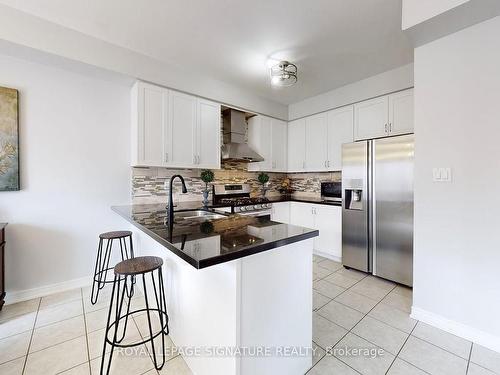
(149, 111)
(327, 220)
(268, 137)
(208, 134)
(279, 145)
(280, 212)
(340, 130)
(296, 145)
(172, 129)
(181, 135)
(401, 112)
(384, 116)
(371, 118)
(259, 139)
(316, 143)
(301, 214)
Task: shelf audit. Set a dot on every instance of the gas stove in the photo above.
(238, 197)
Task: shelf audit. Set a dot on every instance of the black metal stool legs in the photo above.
(121, 294)
(103, 258)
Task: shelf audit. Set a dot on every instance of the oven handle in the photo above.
(255, 213)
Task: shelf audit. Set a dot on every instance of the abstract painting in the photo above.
(9, 139)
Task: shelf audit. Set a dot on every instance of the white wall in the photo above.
(457, 251)
(29, 31)
(74, 155)
(418, 11)
(384, 83)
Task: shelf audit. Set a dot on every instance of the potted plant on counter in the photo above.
(207, 176)
(263, 179)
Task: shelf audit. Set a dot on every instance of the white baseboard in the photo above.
(458, 329)
(24, 295)
(329, 256)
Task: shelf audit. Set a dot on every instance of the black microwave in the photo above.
(331, 191)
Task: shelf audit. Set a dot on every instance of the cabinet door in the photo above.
(150, 117)
(316, 143)
(281, 212)
(301, 214)
(340, 131)
(278, 145)
(401, 112)
(182, 135)
(259, 139)
(208, 131)
(328, 220)
(371, 118)
(296, 145)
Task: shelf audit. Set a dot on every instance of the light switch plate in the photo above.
(441, 174)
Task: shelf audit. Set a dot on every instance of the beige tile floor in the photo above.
(63, 333)
(355, 310)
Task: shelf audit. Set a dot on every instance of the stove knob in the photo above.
(243, 208)
(257, 207)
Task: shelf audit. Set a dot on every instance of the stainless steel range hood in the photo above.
(234, 129)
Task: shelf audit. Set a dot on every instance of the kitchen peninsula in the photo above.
(232, 282)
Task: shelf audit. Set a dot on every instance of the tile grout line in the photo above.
(31, 338)
(86, 332)
(349, 330)
(470, 354)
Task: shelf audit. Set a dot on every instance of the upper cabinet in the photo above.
(384, 116)
(340, 131)
(401, 112)
(268, 137)
(316, 143)
(297, 145)
(172, 129)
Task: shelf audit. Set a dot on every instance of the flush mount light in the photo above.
(283, 73)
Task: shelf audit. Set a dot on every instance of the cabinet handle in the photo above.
(197, 159)
(390, 128)
(328, 165)
(386, 128)
(166, 157)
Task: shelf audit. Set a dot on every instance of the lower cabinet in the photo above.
(325, 218)
(280, 212)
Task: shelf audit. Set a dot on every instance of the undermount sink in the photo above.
(197, 214)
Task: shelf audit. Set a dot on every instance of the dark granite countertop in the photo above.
(288, 198)
(206, 242)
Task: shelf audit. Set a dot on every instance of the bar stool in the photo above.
(123, 286)
(102, 261)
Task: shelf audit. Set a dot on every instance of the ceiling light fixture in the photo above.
(283, 73)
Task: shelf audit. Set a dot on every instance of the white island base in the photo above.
(259, 302)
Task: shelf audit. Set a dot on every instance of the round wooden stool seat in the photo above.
(115, 234)
(139, 265)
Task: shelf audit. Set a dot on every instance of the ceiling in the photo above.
(333, 42)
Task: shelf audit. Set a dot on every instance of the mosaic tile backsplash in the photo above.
(150, 185)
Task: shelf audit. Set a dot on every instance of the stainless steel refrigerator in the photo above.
(377, 213)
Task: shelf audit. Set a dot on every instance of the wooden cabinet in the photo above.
(280, 212)
(384, 116)
(340, 130)
(2, 264)
(268, 137)
(296, 145)
(316, 143)
(172, 129)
